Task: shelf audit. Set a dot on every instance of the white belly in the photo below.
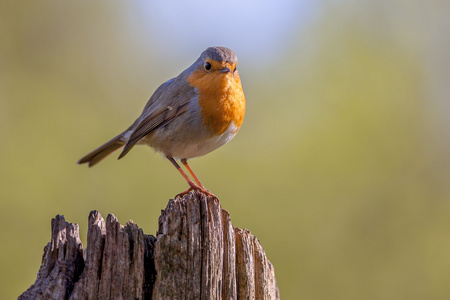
(179, 147)
(196, 149)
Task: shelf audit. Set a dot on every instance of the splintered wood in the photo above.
(197, 254)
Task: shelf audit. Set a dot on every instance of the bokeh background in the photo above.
(341, 168)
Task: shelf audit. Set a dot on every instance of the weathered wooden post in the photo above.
(197, 254)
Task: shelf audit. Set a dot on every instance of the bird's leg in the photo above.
(189, 181)
(188, 167)
(192, 184)
(200, 185)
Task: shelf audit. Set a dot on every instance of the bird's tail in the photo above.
(104, 150)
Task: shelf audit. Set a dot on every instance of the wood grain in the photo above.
(196, 254)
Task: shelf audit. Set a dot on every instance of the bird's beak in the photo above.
(225, 70)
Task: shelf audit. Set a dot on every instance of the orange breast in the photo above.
(221, 98)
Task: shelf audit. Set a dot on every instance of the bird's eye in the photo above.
(207, 66)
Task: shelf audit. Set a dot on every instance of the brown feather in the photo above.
(150, 123)
(170, 100)
(101, 152)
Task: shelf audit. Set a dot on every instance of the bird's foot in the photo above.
(205, 191)
(182, 194)
(198, 189)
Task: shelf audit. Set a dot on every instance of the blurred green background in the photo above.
(341, 168)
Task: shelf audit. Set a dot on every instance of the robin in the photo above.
(187, 116)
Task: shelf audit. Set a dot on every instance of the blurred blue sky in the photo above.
(252, 28)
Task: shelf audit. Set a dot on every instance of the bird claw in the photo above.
(197, 189)
(182, 194)
(205, 191)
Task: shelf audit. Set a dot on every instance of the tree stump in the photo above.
(196, 254)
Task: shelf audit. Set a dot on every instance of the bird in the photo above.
(187, 116)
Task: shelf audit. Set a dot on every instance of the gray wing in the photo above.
(170, 100)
